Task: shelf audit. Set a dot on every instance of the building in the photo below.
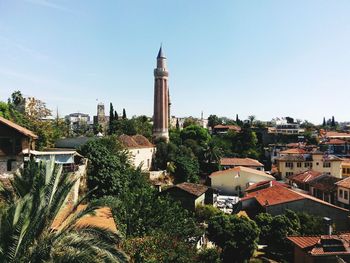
(343, 193)
(345, 167)
(324, 187)
(190, 195)
(276, 199)
(161, 111)
(14, 139)
(302, 180)
(264, 185)
(296, 161)
(101, 119)
(223, 129)
(77, 120)
(321, 249)
(236, 180)
(141, 149)
(286, 126)
(227, 163)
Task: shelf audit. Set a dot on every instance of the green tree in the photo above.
(111, 119)
(209, 255)
(196, 133)
(214, 120)
(108, 166)
(26, 233)
(186, 168)
(237, 236)
(124, 114)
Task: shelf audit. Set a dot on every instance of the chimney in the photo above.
(328, 225)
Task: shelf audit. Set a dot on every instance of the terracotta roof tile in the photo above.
(229, 127)
(335, 142)
(344, 183)
(240, 162)
(136, 141)
(194, 189)
(294, 151)
(304, 241)
(264, 184)
(18, 128)
(304, 177)
(274, 195)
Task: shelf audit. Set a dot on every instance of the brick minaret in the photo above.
(161, 98)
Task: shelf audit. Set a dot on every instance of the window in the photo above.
(299, 165)
(307, 164)
(147, 162)
(289, 174)
(290, 165)
(326, 164)
(348, 170)
(317, 163)
(346, 195)
(340, 193)
(344, 171)
(9, 165)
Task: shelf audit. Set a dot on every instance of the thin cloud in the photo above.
(10, 43)
(48, 4)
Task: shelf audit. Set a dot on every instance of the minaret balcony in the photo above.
(161, 72)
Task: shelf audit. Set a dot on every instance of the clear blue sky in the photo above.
(267, 58)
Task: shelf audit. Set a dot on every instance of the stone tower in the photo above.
(161, 98)
(101, 118)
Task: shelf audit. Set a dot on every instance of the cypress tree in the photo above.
(116, 117)
(324, 122)
(177, 124)
(111, 118)
(333, 122)
(124, 114)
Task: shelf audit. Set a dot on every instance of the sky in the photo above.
(268, 58)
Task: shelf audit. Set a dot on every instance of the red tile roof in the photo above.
(264, 184)
(304, 177)
(229, 127)
(304, 241)
(194, 189)
(335, 142)
(274, 195)
(294, 151)
(337, 135)
(240, 162)
(18, 128)
(324, 245)
(344, 183)
(136, 141)
(279, 195)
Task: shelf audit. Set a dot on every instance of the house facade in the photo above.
(141, 150)
(14, 139)
(236, 180)
(295, 163)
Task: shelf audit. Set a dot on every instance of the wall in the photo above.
(338, 215)
(342, 199)
(142, 155)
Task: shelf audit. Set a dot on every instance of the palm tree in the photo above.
(26, 233)
(212, 153)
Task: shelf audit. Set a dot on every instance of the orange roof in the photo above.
(304, 176)
(230, 127)
(240, 162)
(274, 195)
(344, 183)
(194, 189)
(294, 151)
(102, 218)
(244, 169)
(264, 184)
(335, 142)
(323, 245)
(332, 134)
(304, 241)
(136, 141)
(18, 128)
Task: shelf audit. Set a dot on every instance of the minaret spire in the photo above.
(161, 98)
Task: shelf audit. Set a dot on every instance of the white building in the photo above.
(141, 150)
(234, 181)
